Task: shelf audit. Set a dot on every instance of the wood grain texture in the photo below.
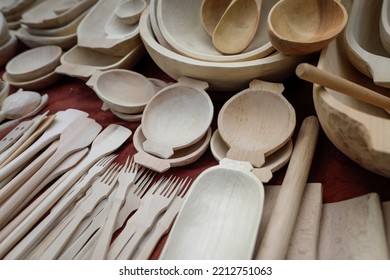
(353, 229)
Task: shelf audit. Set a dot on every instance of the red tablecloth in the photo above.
(341, 177)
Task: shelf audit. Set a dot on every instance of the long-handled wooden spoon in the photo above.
(313, 74)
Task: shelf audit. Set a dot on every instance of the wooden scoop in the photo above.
(211, 12)
(130, 11)
(237, 26)
(19, 104)
(313, 74)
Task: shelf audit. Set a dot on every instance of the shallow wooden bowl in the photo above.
(52, 13)
(8, 49)
(176, 117)
(359, 130)
(181, 157)
(33, 63)
(92, 31)
(364, 47)
(297, 27)
(256, 122)
(221, 76)
(181, 26)
(34, 84)
(82, 62)
(124, 91)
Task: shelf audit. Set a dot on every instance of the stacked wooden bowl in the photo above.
(13, 10)
(170, 28)
(8, 42)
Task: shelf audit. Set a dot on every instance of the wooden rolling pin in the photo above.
(315, 75)
(277, 235)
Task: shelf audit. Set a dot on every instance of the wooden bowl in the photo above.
(35, 84)
(91, 32)
(297, 27)
(52, 13)
(33, 63)
(176, 117)
(4, 91)
(4, 32)
(129, 11)
(82, 62)
(221, 76)
(181, 157)
(124, 91)
(256, 122)
(8, 49)
(181, 26)
(359, 130)
(363, 44)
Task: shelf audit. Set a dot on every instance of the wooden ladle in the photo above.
(298, 27)
(237, 26)
(211, 12)
(19, 104)
(313, 74)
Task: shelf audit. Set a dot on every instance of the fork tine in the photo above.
(106, 175)
(170, 187)
(184, 188)
(142, 185)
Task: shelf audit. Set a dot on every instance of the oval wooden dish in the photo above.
(360, 130)
(82, 62)
(181, 26)
(91, 32)
(176, 117)
(256, 122)
(34, 63)
(181, 157)
(53, 13)
(34, 84)
(220, 218)
(123, 90)
(221, 76)
(363, 44)
(297, 27)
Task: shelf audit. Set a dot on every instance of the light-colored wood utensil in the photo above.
(221, 216)
(176, 117)
(181, 157)
(235, 32)
(358, 129)
(115, 28)
(35, 84)
(123, 90)
(81, 62)
(62, 120)
(183, 27)
(353, 229)
(14, 135)
(362, 41)
(273, 162)
(256, 122)
(304, 239)
(129, 11)
(211, 12)
(299, 27)
(52, 13)
(278, 233)
(313, 74)
(154, 24)
(19, 104)
(33, 63)
(111, 138)
(76, 136)
(42, 104)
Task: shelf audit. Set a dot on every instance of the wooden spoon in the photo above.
(211, 12)
(313, 74)
(19, 104)
(298, 27)
(129, 11)
(237, 26)
(14, 135)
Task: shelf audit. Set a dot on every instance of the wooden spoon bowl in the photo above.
(256, 122)
(34, 63)
(297, 27)
(130, 11)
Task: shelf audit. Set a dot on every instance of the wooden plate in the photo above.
(221, 216)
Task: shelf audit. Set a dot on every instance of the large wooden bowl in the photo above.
(221, 76)
(361, 131)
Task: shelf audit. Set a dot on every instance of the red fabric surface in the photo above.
(340, 176)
